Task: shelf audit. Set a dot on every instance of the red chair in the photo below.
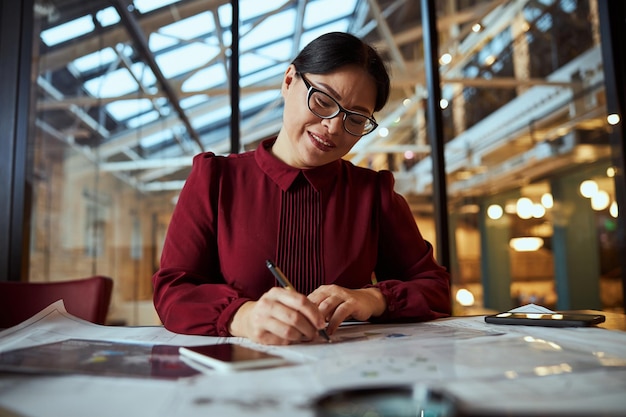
(86, 298)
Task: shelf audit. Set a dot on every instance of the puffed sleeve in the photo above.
(190, 294)
(415, 286)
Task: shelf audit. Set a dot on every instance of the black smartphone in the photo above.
(546, 319)
(230, 357)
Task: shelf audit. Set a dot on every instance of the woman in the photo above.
(348, 243)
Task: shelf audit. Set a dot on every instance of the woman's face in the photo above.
(308, 141)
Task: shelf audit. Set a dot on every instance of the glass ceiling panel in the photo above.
(143, 119)
(225, 15)
(67, 31)
(186, 58)
(158, 42)
(205, 79)
(279, 51)
(112, 84)
(321, 11)
(189, 102)
(211, 117)
(309, 35)
(271, 29)
(94, 60)
(120, 81)
(145, 6)
(250, 9)
(250, 63)
(155, 138)
(108, 16)
(191, 27)
(123, 109)
(267, 74)
(257, 99)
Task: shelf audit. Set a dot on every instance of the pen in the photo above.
(284, 282)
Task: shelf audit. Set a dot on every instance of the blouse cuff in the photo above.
(390, 299)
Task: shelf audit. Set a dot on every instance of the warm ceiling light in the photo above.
(465, 297)
(495, 211)
(613, 119)
(610, 172)
(445, 59)
(588, 188)
(526, 244)
(538, 211)
(600, 200)
(524, 208)
(613, 209)
(547, 200)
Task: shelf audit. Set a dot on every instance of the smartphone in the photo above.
(546, 319)
(230, 357)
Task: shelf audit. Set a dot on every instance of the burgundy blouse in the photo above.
(335, 224)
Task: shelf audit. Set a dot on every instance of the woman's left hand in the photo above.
(338, 304)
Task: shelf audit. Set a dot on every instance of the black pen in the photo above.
(284, 282)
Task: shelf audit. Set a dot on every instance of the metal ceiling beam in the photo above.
(141, 44)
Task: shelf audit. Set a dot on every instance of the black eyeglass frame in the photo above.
(340, 108)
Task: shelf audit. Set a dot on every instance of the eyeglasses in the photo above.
(324, 106)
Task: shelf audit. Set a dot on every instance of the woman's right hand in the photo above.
(280, 317)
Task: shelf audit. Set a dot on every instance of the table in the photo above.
(486, 370)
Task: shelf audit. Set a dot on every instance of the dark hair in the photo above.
(336, 49)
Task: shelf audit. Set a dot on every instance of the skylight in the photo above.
(191, 27)
(185, 58)
(95, 60)
(193, 100)
(265, 75)
(66, 31)
(322, 11)
(155, 138)
(255, 100)
(108, 16)
(145, 6)
(123, 109)
(158, 42)
(250, 9)
(250, 63)
(279, 51)
(119, 82)
(271, 29)
(143, 119)
(338, 26)
(205, 79)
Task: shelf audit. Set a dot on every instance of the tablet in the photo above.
(546, 319)
(230, 357)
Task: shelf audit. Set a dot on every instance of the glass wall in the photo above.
(532, 205)
(531, 186)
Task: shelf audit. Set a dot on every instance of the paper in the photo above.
(54, 324)
(533, 370)
(531, 308)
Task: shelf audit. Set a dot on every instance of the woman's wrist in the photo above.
(378, 303)
(237, 325)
